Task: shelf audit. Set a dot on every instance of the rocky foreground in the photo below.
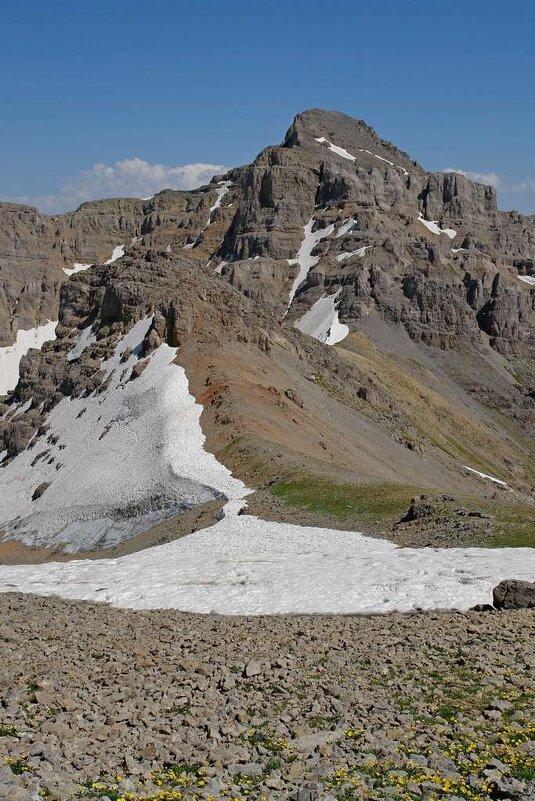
(106, 703)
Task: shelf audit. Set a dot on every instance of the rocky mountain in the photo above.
(344, 318)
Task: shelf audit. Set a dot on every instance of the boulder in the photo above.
(514, 594)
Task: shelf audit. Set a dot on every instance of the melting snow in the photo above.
(527, 279)
(304, 259)
(344, 256)
(135, 453)
(484, 475)
(244, 565)
(433, 226)
(117, 462)
(321, 321)
(11, 355)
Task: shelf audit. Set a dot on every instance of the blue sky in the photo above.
(141, 88)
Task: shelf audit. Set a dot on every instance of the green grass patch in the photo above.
(369, 502)
(514, 526)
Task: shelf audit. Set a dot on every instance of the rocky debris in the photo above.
(40, 490)
(514, 594)
(419, 508)
(294, 396)
(103, 702)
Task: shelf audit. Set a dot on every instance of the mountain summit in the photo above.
(348, 323)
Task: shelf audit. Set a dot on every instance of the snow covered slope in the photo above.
(116, 462)
(10, 356)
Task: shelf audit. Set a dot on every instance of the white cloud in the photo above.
(495, 180)
(489, 178)
(527, 185)
(127, 178)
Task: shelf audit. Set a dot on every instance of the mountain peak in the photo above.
(352, 135)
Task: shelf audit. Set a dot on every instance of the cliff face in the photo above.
(35, 249)
(424, 249)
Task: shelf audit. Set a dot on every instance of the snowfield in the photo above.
(244, 565)
(11, 355)
(134, 454)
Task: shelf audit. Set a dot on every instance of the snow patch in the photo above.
(117, 253)
(11, 355)
(219, 268)
(221, 191)
(76, 268)
(340, 151)
(86, 337)
(347, 227)
(321, 321)
(527, 279)
(304, 258)
(433, 226)
(344, 256)
(484, 475)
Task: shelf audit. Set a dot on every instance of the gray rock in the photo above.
(514, 594)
